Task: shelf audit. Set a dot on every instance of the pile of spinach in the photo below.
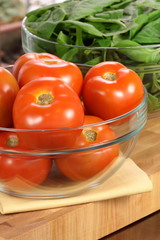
(119, 30)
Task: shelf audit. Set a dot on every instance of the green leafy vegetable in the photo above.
(153, 102)
(146, 36)
(113, 14)
(155, 4)
(85, 8)
(86, 27)
(145, 54)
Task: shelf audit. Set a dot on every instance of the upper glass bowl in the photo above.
(44, 163)
(86, 33)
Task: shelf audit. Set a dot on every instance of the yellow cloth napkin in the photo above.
(128, 180)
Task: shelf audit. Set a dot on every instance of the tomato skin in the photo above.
(19, 171)
(100, 68)
(66, 71)
(8, 91)
(27, 57)
(84, 165)
(111, 98)
(64, 111)
(30, 171)
(64, 99)
(9, 141)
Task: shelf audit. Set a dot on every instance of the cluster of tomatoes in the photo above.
(52, 103)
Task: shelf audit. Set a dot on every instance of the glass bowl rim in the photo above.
(109, 121)
(82, 47)
(117, 140)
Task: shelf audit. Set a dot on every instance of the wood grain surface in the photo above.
(93, 221)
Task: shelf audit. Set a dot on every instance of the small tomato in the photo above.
(18, 171)
(84, 165)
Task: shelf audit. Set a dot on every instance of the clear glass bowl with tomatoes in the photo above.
(67, 161)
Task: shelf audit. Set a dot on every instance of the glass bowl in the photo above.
(145, 60)
(47, 165)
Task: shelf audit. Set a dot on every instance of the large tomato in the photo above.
(111, 89)
(66, 71)
(47, 103)
(84, 165)
(20, 171)
(8, 91)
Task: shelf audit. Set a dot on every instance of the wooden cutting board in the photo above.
(93, 221)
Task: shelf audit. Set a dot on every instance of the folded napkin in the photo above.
(128, 180)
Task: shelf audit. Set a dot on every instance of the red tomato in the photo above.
(47, 103)
(66, 71)
(84, 165)
(110, 90)
(8, 91)
(10, 141)
(27, 57)
(19, 171)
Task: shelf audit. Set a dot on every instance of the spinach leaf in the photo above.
(84, 8)
(103, 20)
(61, 48)
(138, 54)
(86, 27)
(154, 4)
(122, 4)
(94, 61)
(42, 29)
(140, 21)
(71, 55)
(146, 36)
(45, 25)
(153, 102)
(153, 15)
(111, 26)
(98, 25)
(114, 31)
(113, 14)
(105, 42)
(45, 16)
(79, 37)
(132, 10)
(38, 12)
